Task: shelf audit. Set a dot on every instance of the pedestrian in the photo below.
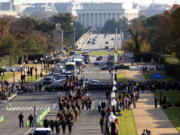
(21, 122)
(103, 113)
(63, 124)
(102, 124)
(57, 124)
(30, 118)
(69, 124)
(155, 101)
(51, 124)
(46, 123)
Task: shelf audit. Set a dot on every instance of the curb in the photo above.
(13, 96)
(1, 119)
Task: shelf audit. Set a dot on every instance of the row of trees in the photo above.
(159, 34)
(111, 25)
(23, 36)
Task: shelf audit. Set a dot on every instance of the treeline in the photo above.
(159, 35)
(121, 25)
(24, 36)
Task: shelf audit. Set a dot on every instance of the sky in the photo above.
(136, 1)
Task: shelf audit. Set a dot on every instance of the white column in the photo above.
(82, 19)
(98, 16)
(85, 24)
(94, 19)
(103, 19)
(91, 19)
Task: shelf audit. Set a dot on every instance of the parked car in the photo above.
(121, 67)
(96, 63)
(106, 47)
(99, 58)
(42, 131)
(104, 68)
(48, 80)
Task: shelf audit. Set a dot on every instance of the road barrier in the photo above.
(1, 119)
(40, 118)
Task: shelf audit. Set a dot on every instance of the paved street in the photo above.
(101, 41)
(94, 72)
(24, 103)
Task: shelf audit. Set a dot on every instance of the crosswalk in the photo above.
(29, 108)
(91, 72)
(40, 108)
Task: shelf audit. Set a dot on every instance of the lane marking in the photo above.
(27, 132)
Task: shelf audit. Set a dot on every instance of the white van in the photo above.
(42, 131)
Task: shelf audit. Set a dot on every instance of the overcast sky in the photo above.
(136, 1)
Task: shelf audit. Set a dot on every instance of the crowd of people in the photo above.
(151, 85)
(146, 132)
(123, 100)
(70, 106)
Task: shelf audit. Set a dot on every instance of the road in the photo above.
(101, 41)
(24, 103)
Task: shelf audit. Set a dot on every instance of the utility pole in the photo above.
(35, 118)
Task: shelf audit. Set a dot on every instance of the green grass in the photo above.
(32, 79)
(172, 96)
(174, 116)
(8, 75)
(171, 59)
(149, 74)
(99, 53)
(127, 124)
(121, 77)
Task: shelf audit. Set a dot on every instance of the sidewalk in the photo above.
(88, 122)
(148, 117)
(154, 119)
(18, 76)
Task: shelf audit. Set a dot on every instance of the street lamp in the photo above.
(74, 35)
(13, 70)
(24, 65)
(35, 62)
(41, 66)
(46, 63)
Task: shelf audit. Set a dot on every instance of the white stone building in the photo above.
(96, 14)
(8, 9)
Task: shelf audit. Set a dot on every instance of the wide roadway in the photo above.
(25, 104)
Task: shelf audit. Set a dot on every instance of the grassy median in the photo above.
(127, 124)
(121, 76)
(174, 116)
(100, 53)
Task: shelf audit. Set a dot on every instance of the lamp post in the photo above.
(2, 74)
(46, 63)
(24, 65)
(74, 35)
(13, 70)
(41, 66)
(35, 62)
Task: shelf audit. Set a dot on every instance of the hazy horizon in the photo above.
(97, 1)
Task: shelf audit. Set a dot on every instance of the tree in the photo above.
(145, 47)
(138, 34)
(128, 46)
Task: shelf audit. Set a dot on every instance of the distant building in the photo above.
(96, 14)
(40, 9)
(7, 9)
(68, 7)
(153, 9)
